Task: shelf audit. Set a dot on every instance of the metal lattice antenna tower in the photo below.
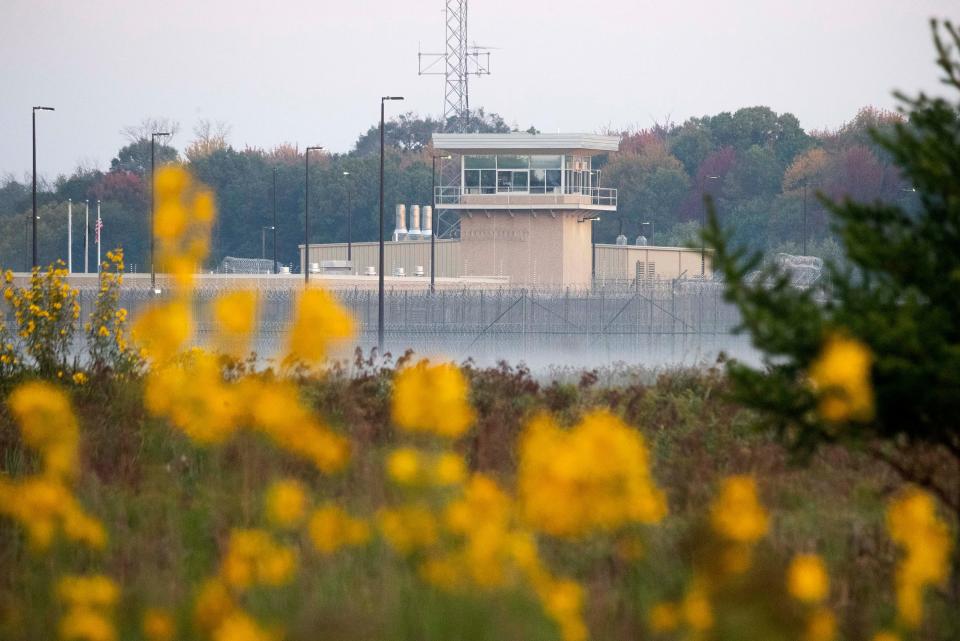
(456, 64)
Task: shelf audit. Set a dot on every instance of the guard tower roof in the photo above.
(525, 143)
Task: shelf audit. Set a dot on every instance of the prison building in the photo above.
(526, 204)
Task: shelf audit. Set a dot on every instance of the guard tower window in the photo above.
(488, 174)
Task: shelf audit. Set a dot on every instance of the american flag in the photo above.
(97, 228)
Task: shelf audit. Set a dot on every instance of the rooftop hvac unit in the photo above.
(370, 271)
(641, 241)
(621, 240)
(418, 271)
(399, 271)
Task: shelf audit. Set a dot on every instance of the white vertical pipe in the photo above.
(69, 235)
(414, 230)
(427, 220)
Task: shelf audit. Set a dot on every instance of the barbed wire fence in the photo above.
(660, 320)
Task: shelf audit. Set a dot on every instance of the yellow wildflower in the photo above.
(286, 503)
(91, 591)
(404, 466)
(83, 624)
(213, 604)
(807, 578)
(595, 476)
(664, 617)
(163, 329)
(408, 528)
(736, 513)
(449, 469)
(236, 315)
(331, 528)
(48, 425)
(254, 558)
(432, 398)
(841, 376)
(79, 378)
(238, 626)
(925, 540)
(697, 611)
(319, 322)
(158, 625)
(821, 626)
(885, 635)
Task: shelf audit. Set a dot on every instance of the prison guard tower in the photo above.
(527, 203)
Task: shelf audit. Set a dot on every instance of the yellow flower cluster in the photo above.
(255, 558)
(89, 603)
(194, 396)
(593, 477)
(913, 523)
(479, 542)
(46, 313)
(841, 377)
(158, 625)
(106, 326)
(432, 399)
(286, 503)
(217, 613)
(413, 467)
(162, 330)
(332, 529)
(48, 426)
(235, 314)
(807, 578)
(320, 321)
(43, 503)
(184, 217)
(736, 513)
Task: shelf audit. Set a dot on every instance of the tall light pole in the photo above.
(804, 241)
(69, 235)
(380, 272)
(703, 242)
(349, 222)
(433, 219)
(653, 230)
(34, 116)
(274, 220)
(86, 237)
(306, 214)
(153, 234)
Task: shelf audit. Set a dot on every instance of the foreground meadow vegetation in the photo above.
(166, 491)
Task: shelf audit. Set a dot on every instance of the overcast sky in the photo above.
(312, 71)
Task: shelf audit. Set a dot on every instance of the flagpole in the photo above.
(99, 227)
(69, 235)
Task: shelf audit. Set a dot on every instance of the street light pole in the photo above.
(433, 220)
(153, 267)
(306, 214)
(274, 220)
(703, 241)
(34, 115)
(86, 237)
(804, 241)
(349, 223)
(380, 271)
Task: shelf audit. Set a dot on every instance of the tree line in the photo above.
(761, 168)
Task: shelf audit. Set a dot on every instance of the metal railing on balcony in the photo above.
(519, 197)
